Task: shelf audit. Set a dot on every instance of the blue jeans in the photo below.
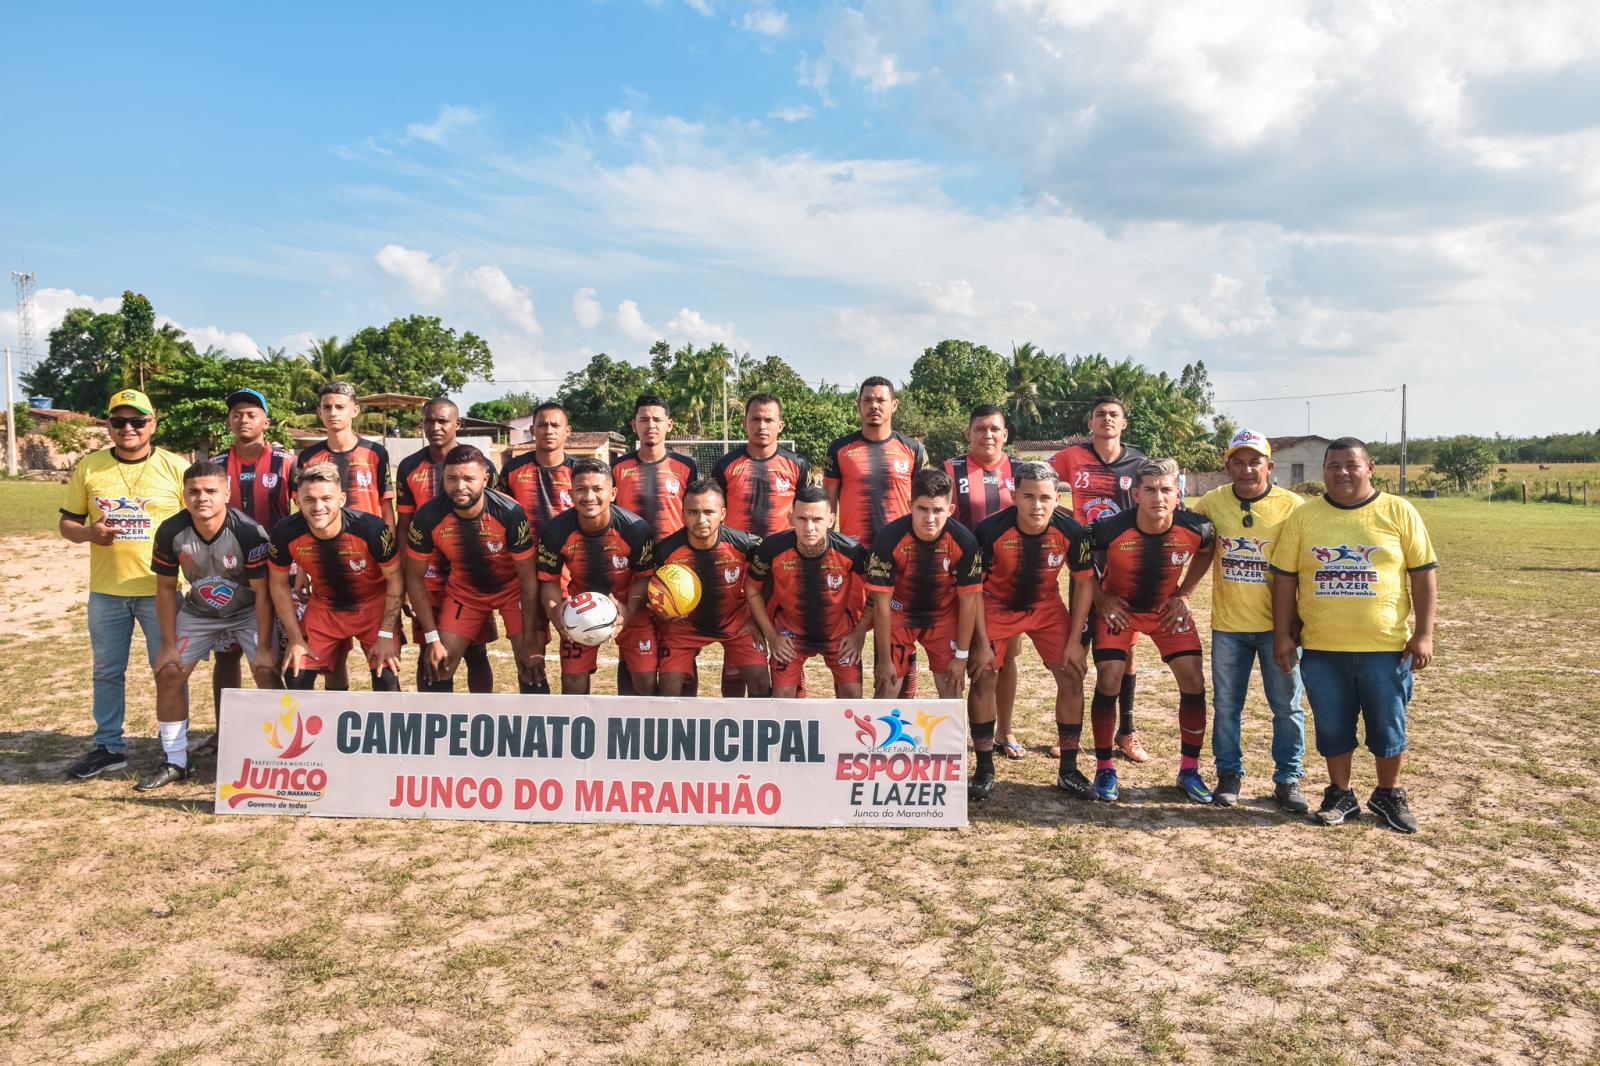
(1347, 686)
(111, 620)
(1233, 659)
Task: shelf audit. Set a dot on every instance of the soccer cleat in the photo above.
(1105, 786)
(1290, 798)
(1191, 784)
(1390, 805)
(1339, 805)
(1227, 790)
(981, 787)
(1075, 784)
(98, 761)
(1132, 748)
(166, 774)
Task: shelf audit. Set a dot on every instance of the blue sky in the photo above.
(1311, 197)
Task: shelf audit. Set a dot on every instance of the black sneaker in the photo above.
(981, 787)
(1074, 784)
(1290, 798)
(1339, 805)
(167, 774)
(97, 762)
(1226, 794)
(1390, 805)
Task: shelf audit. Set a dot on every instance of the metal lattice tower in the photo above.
(24, 284)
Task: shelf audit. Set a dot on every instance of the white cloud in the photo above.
(618, 121)
(237, 344)
(50, 306)
(443, 283)
(702, 6)
(855, 43)
(693, 327)
(511, 301)
(586, 309)
(424, 277)
(633, 325)
(765, 21)
(791, 114)
(451, 118)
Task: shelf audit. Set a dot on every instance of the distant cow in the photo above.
(1503, 470)
(1542, 466)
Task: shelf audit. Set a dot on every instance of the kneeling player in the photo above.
(1145, 551)
(719, 557)
(816, 598)
(356, 586)
(925, 575)
(222, 554)
(597, 547)
(1025, 547)
(484, 536)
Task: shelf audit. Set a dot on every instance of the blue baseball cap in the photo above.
(249, 396)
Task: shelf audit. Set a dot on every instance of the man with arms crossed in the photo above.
(813, 600)
(114, 501)
(1025, 548)
(420, 478)
(1351, 567)
(1099, 473)
(222, 554)
(484, 536)
(720, 558)
(1247, 515)
(598, 548)
(356, 588)
(1138, 591)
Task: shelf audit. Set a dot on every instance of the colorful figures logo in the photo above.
(301, 732)
(894, 729)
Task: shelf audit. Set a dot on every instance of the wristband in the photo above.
(430, 637)
(961, 653)
(384, 634)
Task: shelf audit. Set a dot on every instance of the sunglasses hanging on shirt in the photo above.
(1249, 518)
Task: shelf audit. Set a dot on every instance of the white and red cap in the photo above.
(1249, 438)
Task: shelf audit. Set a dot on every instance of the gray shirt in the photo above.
(219, 570)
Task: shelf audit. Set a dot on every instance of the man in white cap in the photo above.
(1247, 514)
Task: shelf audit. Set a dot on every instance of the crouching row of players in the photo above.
(772, 604)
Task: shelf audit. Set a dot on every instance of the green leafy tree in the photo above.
(417, 355)
(600, 396)
(190, 397)
(1463, 460)
(953, 376)
(501, 410)
(83, 367)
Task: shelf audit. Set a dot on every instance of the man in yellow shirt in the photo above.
(1247, 515)
(114, 501)
(1350, 568)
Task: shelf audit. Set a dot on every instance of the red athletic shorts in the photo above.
(329, 633)
(472, 617)
(636, 645)
(792, 674)
(487, 635)
(680, 643)
(939, 639)
(1047, 625)
(1184, 640)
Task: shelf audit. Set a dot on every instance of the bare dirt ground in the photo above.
(146, 929)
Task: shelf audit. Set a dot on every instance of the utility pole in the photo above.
(1308, 418)
(11, 422)
(1402, 440)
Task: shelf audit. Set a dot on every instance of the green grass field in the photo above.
(143, 929)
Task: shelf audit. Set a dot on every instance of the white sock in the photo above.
(175, 741)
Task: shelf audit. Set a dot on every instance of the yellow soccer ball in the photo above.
(674, 591)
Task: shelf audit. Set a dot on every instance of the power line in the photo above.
(1310, 396)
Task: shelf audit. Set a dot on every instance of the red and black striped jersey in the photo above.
(1145, 568)
(981, 491)
(606, 562)
(543, 491)
(722, 610)
(263, 487)
(760, 492)
(1023, 570)
(924, 577)
(654, 491)
(348, 568)
(1098, 488)
(363, 472)
(419, 478)
(482, 551)
(874, 480)
(815, 598)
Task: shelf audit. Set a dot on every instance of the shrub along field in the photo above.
(146, 929)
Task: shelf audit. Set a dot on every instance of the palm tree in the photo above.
(329, 359)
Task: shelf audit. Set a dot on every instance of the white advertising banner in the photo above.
(593, 759)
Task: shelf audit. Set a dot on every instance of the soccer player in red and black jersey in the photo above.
(650, 480)
(720, 558)
(983, 481)
(363, 464)
(356, 587)
(541, 480)
(1142, 588)
(599, 548)
(868, 478)
(1025, 549)
(925, 575)
(420, 478)
(484, 535)
(807, 595)
(1099, 473)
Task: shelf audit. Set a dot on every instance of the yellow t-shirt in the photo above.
(134, 498)
(1241, 597)
(1353, 565)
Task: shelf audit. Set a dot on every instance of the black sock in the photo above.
(1069, 736)
(983, 745)
(537, 688)
(385, 680)
(447, 684)
(300, 679)
(1125, 704)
